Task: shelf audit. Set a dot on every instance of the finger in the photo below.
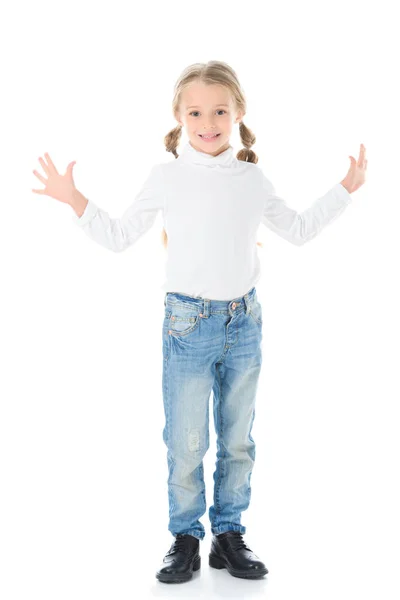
(51, 164)
(361, 156)
(45, 167)
(39, 176)
(38, 191)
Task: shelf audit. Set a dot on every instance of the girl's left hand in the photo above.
(357, 172)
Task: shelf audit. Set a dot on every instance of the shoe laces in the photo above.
(180, 543)
(236, 541)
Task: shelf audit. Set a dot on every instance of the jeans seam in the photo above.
(218, 507)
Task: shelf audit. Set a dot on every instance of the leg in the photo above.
(234, 392)
(188, 376)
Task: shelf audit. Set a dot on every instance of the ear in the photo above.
(178, 120)
(239, 116)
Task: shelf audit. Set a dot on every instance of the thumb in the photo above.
(70, 167)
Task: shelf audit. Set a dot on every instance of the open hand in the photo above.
(57, 186)
(357, 172)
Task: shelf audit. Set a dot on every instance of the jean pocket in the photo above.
(182, 319)
(256, 311)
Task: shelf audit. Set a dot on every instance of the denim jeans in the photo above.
(210, 345)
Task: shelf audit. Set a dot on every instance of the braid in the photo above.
(172, 139)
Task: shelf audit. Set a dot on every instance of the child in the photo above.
(212, 204)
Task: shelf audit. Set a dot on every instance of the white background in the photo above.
(83, 469)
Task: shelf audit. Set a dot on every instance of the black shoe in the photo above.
(229, 551)
(181, 560)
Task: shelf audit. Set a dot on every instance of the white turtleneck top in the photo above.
(212, 207)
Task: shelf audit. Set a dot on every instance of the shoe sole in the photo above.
(179, 577)
(218, 563)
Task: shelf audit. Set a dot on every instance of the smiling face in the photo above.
(208, 109)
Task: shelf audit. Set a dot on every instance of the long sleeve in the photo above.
(300, 227)
(120, 233)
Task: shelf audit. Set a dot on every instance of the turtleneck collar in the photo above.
(190, 155)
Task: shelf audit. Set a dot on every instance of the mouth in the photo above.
(210, 136)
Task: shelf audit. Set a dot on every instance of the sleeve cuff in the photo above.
(87, 214)
(342, 192)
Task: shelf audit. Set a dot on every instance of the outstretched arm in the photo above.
(300, 227)
(120, 233)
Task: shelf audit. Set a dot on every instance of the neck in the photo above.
(224, 158)
(215, 153)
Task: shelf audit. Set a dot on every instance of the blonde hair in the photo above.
(213, 72)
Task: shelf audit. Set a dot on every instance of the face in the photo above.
(208, 109)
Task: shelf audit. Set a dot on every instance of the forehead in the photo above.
(200, 94)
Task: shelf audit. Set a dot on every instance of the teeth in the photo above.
(209, 136)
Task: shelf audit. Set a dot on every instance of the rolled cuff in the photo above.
(87, 215)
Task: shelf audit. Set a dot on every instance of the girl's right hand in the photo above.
(60, 187)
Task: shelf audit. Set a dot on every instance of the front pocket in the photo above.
(256, 312)
(182, 320)
(183, 325)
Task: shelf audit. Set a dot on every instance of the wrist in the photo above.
(78, 202)
(346, 185)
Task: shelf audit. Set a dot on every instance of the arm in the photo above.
(300, 227)
(118, 234)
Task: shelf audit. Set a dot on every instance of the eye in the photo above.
(196, 111)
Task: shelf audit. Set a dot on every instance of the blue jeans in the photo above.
(210, 345)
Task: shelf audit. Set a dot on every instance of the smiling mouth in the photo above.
(209, 136)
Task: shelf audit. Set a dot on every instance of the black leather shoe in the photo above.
(181, 560)
(229, 551)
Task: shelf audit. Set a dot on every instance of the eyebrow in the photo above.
(187, 108)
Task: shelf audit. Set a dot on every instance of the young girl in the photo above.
(212, 203)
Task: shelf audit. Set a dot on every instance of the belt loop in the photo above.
(206, 308)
